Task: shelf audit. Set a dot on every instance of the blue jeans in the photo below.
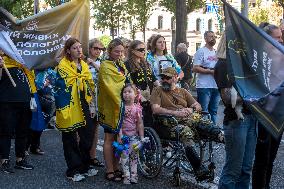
(209, 99)
(240, 142)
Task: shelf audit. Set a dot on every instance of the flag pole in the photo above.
(9, 75)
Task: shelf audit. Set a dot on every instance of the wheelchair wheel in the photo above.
(150, 158)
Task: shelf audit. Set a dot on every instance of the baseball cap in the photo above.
(170, 72)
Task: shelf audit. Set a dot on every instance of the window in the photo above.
(113, 32)
(198, 24)
(160, 22)
(210, 25)
(197, 46)
(173, 23)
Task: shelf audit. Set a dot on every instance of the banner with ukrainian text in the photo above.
(41, 37)
(255, 62)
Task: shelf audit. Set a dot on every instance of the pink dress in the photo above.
(131, 116)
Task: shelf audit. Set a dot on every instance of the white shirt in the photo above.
(208, 59)
(94, 71)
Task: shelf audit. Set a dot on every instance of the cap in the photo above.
(170, 72)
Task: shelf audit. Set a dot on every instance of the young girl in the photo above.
(133, 128)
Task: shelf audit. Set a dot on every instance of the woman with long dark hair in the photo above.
(142, 76)
(159, 58)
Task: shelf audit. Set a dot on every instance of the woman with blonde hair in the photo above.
(95, 49)
(112, 78)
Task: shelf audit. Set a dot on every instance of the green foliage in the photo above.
(105, 39)
(109, 14)
(24, 8)
(191, 5)
(138, 14)
(18, 8)
(54, 3)
(258, 14)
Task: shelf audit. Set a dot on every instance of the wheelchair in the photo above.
(156, 154)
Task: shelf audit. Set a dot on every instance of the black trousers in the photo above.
(15, 118)
(33, 141)
(265, 154)
(77, 145)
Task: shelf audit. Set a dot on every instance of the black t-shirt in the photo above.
(9, 93)
(184, 60)
(223, 81)
(142, 77)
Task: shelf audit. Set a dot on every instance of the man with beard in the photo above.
(203, 64)
(178, 102)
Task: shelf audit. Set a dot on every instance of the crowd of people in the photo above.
(120, 88)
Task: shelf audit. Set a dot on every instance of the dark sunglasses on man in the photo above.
(165, 77)
(98, 48)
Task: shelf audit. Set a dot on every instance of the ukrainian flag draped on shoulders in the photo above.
(69, 85)
(112, 78)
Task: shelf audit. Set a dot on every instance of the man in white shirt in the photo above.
(203, 64)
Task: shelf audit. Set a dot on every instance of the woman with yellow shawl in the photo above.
(72, 98)
(112, 77)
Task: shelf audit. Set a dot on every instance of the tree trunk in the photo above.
(181, 22)
(173, 45)
(144, 33)
(36, 6)
(244, 8)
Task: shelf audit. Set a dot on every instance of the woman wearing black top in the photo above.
(141, 75)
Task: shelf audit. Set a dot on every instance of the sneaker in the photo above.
(77, 177)
(23, 164)
(91, 172)
(38, 151)
(5, 167)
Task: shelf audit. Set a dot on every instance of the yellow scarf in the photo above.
(69, 113)
(10, 63)
(110, 106)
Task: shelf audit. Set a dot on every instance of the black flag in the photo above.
(255, 62)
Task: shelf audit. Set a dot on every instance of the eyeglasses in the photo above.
(140, 50)
(98, 48)
(164, 77)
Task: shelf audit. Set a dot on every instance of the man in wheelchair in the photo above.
(171, 100)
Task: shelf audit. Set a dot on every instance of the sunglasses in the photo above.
(164, 77)
(140, 50)
(97, 48)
